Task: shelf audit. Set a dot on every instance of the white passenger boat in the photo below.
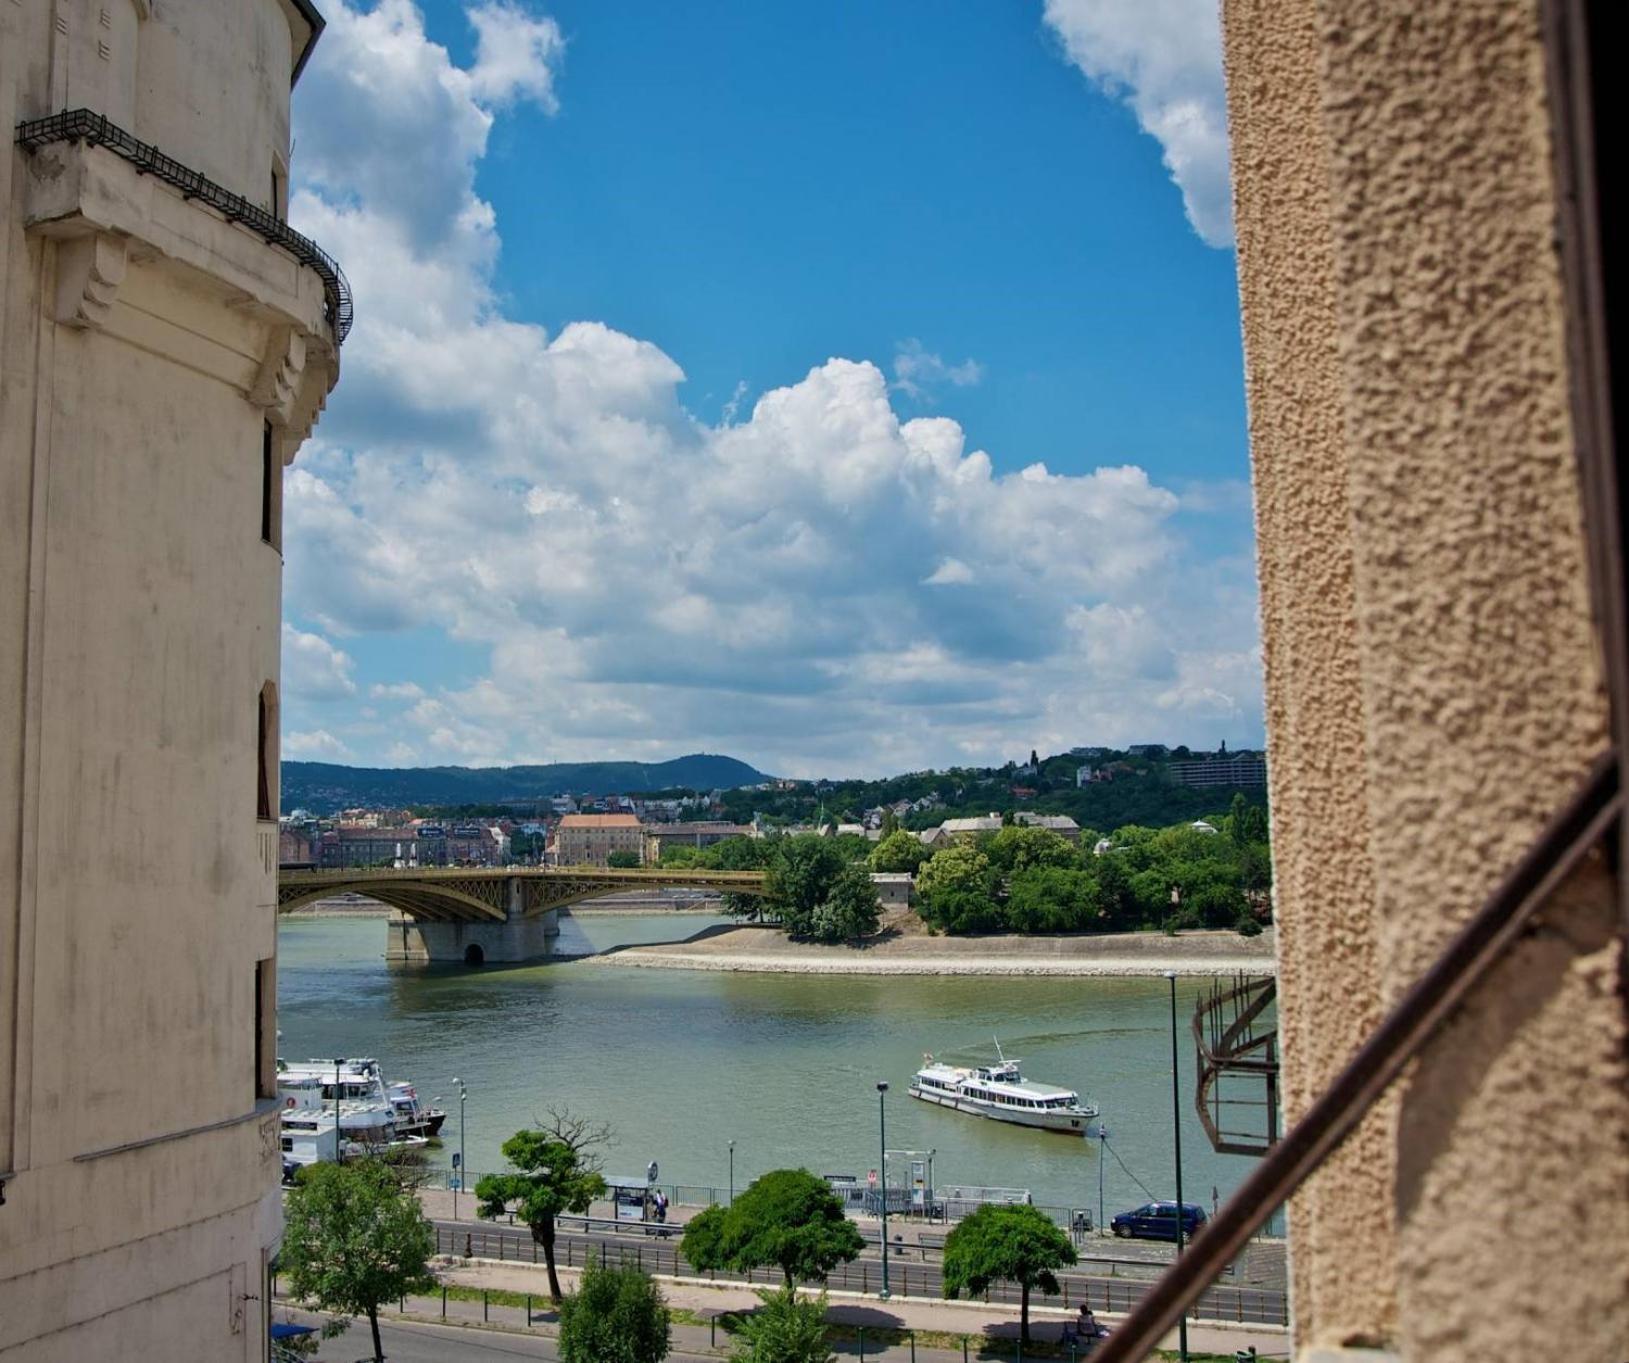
(1000, 1091)
(362, 1082)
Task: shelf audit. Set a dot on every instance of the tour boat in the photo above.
(358, 1083)
(1001, 1092)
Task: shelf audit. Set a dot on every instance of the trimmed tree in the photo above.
(787, 1328)
(788, 1218)
(1016, 1244)
(355, 1237)
(556, 1170)
(851, 910)
(617, 1315)
(898, 851)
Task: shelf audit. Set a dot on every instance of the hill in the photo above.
(323, 787)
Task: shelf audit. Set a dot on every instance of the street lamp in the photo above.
(1176, 1131)
(732, 1174)
(882, 1174)
(1102, 1150)
(463, 1096)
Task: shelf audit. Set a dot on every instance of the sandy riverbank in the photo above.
(769, 950)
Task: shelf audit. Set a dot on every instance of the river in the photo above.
(680, 1062)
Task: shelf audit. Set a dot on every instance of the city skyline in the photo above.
(921, 447)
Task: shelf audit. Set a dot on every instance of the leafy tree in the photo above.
(956, 890)
(801, 878)
(890, 822)
(787, 1328)
(622, 860)
(1053, 899)
(616, 1315)
(557, 1170)
(683, 855)
(1019, 848)
(788, 1218)
(1018, 1244)
(851, 910)
(898, 851)
(354, 1237)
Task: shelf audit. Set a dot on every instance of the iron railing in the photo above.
(82, 125)
(1430, 1002)
(1234, 1054)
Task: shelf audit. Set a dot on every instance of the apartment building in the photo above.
(589, 839)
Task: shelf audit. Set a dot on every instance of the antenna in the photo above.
(999, 1055)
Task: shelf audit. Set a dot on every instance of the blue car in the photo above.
(1158, 1221)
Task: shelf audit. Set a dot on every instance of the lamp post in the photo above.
(463, 1095)
(732, 1175)
(339, 1143)
(882, 1178)
(1102, 1150)
(1176, 1133)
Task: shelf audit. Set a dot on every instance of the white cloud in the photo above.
(313, 669)
(921, 374)
(1164, 58)
(642, 582)
(516, 54)
(316, 745)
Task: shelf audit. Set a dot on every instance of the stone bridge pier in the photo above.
(519, 937)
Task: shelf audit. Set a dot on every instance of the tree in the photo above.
(622, 860)
(890, 823)
(1053, 899)
(1019, 848)
(354, 1237)
(788, 1218)
(1017, 1244)
(956, 890)
(616, 1315)
(800, 880)
(898, 851)
(851, 910)
(557, 1170)
(787, 1328)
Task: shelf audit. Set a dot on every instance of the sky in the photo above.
(851, 389)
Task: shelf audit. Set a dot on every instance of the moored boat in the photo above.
(1001, 1092)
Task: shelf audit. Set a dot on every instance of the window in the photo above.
(266, 1028)
(271, 488)
(266, 789)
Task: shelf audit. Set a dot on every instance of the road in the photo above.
(911, 1274)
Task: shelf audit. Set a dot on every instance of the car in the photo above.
(1158, 1221)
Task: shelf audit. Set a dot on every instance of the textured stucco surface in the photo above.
(1453, 611)
(1342, 1257)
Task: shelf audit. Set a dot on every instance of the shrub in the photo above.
(617, 1315)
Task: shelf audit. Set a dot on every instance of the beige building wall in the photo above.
(146, 344)
(1433, 672)
(589, 839)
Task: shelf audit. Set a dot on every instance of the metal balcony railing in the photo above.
(1237, 1060)
(81, 125)
(1433, 998)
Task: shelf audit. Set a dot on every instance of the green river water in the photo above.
(680, 1062)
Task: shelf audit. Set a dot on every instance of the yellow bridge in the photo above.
(452, 913)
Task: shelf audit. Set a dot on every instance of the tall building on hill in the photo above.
(165, 344)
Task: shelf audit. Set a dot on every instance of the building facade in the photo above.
(660, 836)
(165, 344)
(1441, 604)
(589, 839)
(1227, 769)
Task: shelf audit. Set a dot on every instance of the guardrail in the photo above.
(82, 125)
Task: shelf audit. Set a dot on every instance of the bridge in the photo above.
(473, 915)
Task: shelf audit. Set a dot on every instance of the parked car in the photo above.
(1158, 1221)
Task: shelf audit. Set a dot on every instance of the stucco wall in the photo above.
(1394, 183)
(145, 344)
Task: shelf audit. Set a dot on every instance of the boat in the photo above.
(309, 1134)
(1001, 1092)
(358, 1086)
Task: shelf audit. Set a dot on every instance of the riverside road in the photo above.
(1108, 1284)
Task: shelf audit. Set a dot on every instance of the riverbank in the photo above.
(769, 950)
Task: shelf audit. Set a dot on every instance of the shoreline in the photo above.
(1195, 954)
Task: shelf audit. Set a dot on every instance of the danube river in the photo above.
(680, 1062)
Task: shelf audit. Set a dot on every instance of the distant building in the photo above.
(660, 837)
(1148, 750)
(356, 847)
(1234, 769)
(589, 839)
(296, 845)
(1090, 752)
(893, 888)
(1061, 824)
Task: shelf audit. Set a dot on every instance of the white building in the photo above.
(166, 343)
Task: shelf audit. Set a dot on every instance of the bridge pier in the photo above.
(415, 941)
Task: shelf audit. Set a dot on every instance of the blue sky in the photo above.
(700, 356)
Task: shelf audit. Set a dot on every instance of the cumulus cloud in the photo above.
(313, 669)
(640, 581)
(1164, 58)
(516, 55)
(921, 374)
(315, 745)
